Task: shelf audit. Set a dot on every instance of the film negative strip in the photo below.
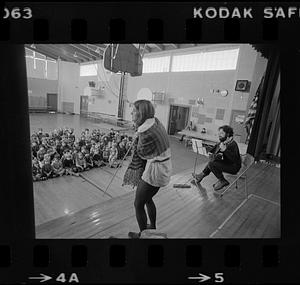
(212, 239)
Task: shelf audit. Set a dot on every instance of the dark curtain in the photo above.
(273, 146)
(252, 111)
(272, 139)
(16, 194)
(259, 128)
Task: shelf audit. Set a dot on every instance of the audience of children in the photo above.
(59, 153)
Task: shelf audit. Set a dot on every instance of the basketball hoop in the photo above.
(123, 58)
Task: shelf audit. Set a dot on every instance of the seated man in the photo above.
(224, 157)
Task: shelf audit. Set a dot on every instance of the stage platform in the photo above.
(181, 213)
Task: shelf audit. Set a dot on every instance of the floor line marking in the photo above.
(267, 200)
(241, 204)
(229, 217)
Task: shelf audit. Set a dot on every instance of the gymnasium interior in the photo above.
(195, 89)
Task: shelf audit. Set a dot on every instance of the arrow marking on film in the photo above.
(43, 277)
(201, 278)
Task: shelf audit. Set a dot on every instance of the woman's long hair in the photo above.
(145, 111)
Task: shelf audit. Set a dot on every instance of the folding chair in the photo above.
(247, 161)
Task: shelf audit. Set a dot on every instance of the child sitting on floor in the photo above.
(40, 154)
(45, 143)
(47, 169)
(35, 148)
(87, 133)
(64, 147)
(68, 164)
(51, 151)
(82, 141)
(88, 145)
(80, 162)
(111, 133)
(97, 157)
(113, 156)
(36, 170)
(84, 150)
(57, 166)
(89, 161)
(58, 147)
(105, 154)
(121, 150)
(92, 149)
(40, 134)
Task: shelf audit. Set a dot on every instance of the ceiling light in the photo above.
(75, 54)
(97, 50)
(33, 46)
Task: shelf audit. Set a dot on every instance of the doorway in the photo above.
(84, 105)
(178, 118)
(52, 102)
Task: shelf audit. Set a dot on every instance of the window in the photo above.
(156, 64)
(39, 66)
(29, 52)
(206, 61)
(88, 69)
(51, 70)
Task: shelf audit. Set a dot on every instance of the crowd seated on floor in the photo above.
(60, 153)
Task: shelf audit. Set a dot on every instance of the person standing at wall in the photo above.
(151, 166)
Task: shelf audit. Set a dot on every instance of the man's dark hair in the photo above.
(227, 130)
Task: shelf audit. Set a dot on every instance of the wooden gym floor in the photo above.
(76, 207)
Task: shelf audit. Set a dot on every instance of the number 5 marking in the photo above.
(219, 277)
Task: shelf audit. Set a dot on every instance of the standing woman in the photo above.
(151, 166)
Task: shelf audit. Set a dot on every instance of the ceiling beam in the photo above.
(67, 48)
(160, 46)
(175, 45)
(47, 54)
(43, 50)
(84, 52)
(61, 54)
(93, 50)
(102, 47)
(72, 50)
(146, 47)
(142, 47)
(57, 50)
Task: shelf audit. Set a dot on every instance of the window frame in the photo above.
(89, 64)
(156, 57)
(205, 52)
(46, 59)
